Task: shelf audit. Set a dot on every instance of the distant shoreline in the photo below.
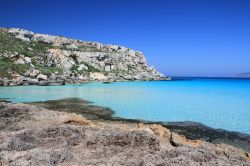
(189, 78)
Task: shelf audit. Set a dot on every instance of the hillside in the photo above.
(27, 58)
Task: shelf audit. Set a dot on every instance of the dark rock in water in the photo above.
(51, 83)
(76, 105)
(107, 82)
(1, 82)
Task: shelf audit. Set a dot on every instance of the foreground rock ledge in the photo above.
(31, 135)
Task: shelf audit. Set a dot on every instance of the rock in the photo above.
(12, 84)
(20, 61)
(34, 73)
(72, 47)
(32, 135)
(107, 68)
(1, 82)
(98, 76)
(53, 76)
(27, 59)
(42, 77)
(51, 83)
(127, 77)
(82, 67)
(30, 49)
(26, 74)
(33, 81)
(131, 52)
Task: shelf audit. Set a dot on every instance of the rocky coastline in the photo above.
(191, 130)
(32, 135)
(28, 58)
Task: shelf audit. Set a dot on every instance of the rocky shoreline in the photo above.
(191, 130)
(32, 135)
(28, 58)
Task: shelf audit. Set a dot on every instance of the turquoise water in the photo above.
(221, 103)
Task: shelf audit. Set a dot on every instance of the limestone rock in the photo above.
(42, 77)
(97, 76)
(34, 73)
(27, 59)
(20, 61)
(82, 67)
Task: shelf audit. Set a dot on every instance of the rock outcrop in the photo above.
(31, 135)
(26, 55)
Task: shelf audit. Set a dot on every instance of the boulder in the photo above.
(26, 74)
(53, 76)
(97, 76)
(51, 83)
(82, 67)
(27, 59)
(33, 81)
(42, 77)
(107, 68)
(1, 82)
(34, 73)
(20, 61)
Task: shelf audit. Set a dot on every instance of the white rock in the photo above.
(107, 68)
(42, 77)
(98, 76)
(27, 59)
(131, 52)
(34, 73)
(82, 66)
(19, 61)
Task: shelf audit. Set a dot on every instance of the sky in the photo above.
(178, 37)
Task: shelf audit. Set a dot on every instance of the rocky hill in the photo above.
(30, 58)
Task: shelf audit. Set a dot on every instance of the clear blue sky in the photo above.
(179, 37)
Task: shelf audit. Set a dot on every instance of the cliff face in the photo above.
(25, 55)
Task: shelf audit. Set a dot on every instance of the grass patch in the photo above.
(7, 67)
(48, 70)
(11, 44)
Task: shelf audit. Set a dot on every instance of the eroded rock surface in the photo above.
(31, 135)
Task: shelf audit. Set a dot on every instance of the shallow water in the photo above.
(218, 103)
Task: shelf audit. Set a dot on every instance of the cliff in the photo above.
(30, 58)
(31, 135)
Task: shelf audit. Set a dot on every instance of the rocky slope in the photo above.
(32, 135)
(27, 58)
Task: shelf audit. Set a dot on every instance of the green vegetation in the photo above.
(11, 44)
(48, 70)
(74, 69)
(6, 67)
